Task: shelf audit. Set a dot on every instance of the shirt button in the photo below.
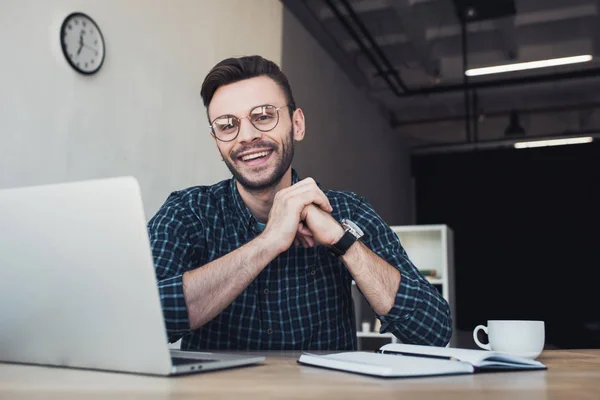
(270, 331)
(313, 272)
(266, 291)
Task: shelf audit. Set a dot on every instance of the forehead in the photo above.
(240, 97)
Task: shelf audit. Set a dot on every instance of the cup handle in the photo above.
(482, 345)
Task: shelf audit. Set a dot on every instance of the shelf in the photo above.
(433, 281)
(418, 228)
(374, 334)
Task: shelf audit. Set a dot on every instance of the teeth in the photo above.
(255, 155)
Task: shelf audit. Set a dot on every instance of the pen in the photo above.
(417, 355)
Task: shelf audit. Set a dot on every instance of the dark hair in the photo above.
(233, 70)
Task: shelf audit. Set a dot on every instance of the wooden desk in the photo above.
(571, 375)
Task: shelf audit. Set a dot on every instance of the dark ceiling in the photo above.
(408, 54)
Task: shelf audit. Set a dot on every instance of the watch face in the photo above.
(353, 228)
(82, 43)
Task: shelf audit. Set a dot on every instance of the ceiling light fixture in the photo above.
(528, 65)
(553, 142)
(514, 126)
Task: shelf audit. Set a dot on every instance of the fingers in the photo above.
(306, 192)
(304, 236)
(303, 241)
(303, 229)
(291, 206)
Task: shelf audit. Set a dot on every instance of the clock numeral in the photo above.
(95, 41)
(70, 26)
(76, 22)
(83, 31)
(92, 61)
(86, 65)
(84, 23)
(70, 55)
(96, 53)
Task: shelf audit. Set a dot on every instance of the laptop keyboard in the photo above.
(184, 361)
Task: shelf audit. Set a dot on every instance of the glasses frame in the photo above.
(212, 129)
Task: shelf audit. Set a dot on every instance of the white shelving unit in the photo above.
(429, 247)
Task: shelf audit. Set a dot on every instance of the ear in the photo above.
(298, 124)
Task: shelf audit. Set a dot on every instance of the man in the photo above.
(265, 260)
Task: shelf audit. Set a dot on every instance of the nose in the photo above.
(248, 133)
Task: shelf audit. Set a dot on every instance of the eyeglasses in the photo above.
(264, 118)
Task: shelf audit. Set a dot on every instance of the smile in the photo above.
(252, 156)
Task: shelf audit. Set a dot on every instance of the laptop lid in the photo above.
(77, 280)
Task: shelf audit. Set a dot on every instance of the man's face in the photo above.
(258, 160)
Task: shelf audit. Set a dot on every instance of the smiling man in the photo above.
(265, 260)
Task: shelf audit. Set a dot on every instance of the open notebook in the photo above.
(404, 360)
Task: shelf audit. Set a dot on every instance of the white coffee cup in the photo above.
(520, 338)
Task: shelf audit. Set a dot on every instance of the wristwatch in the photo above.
(351, 234)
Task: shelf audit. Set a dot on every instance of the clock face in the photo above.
(82, 43)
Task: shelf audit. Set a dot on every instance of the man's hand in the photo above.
(287, 212)
(318, 227)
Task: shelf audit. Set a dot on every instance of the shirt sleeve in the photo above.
(172, 253)
(420, 314)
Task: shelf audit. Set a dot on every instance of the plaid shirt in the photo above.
(302, 299)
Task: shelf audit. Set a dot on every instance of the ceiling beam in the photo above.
(388, 74)
(502, 84)
(360, 6)
(583, 108)
(520, 20)
(413, 27)
(364, 6)
(495, 143)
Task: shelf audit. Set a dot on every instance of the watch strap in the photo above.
(342, 245)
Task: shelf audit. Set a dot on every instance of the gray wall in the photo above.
(141, 114)
(348, 143)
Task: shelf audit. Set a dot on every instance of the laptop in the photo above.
(77, 283)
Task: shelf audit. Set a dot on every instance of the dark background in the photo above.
(527, 229)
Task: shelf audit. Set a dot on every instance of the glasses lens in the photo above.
(264, 118)
(226, 127)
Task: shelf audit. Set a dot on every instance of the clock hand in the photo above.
(89, 47)
(80, 44)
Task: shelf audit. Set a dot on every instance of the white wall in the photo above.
(348, 144)
(141, 114)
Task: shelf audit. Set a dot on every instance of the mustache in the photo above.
(257, 145)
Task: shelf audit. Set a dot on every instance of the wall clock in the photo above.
(82, 43)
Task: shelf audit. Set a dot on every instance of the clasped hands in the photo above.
(300, 215)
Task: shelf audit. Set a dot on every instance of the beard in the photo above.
(262, 183)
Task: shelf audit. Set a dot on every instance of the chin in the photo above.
(254, 182)
(259, 180)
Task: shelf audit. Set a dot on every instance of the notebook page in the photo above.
(387, 365)
(474, 357)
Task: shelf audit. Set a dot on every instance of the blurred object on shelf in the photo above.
(366, 326)
(377, 325)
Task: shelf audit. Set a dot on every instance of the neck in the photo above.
(260, 202)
